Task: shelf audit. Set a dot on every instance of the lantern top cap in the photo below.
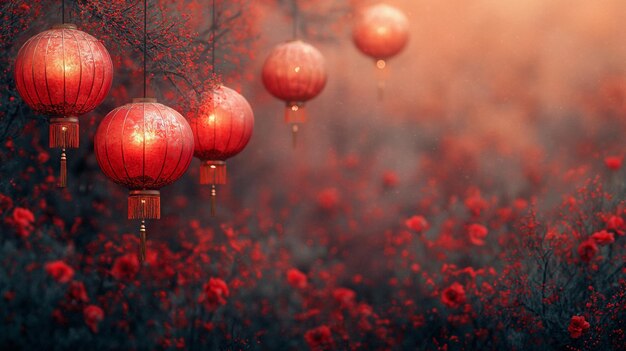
(146, 99)
(65, 26)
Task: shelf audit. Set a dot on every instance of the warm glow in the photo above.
(294, 108)
(381, 64)
(382, 30)
(138, 137)
(297, 69)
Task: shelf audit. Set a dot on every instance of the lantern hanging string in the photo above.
(63, 11)
(213, 27)
(145, 46)
(295, 19)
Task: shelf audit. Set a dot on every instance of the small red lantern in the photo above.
(63, 73)
(381, 32)
(294, 72)
(144, 146)
(222, 127)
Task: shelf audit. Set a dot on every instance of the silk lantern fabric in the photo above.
(222, 126)
(63, 73)
(381, 32)
(294, 72)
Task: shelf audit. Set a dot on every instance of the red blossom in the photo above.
(214, 293)
(93, 316)
(328, 199)
(5, 203)
(577, 326)
(454, 295)
(125, 267)
(320, 338)
(603, 237)
(613, 163)
(615, 224)
(390, 179)
(587, 250)
(477, 234)
(78, 292)
(417, 223)
(344, 297)
(296, 278)
(23, 220)
(59, 271)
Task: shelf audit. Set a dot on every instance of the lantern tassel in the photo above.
(213, 172)
(294, 135)
(62, 183)
(142, 238)
(381, 73)
(381, 90)
(144, 204)
(213, 198)
(64, 132)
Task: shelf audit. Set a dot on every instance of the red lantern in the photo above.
(144, 146)
(381, 32)
(222, 127)
(294, 72)
(63, 73)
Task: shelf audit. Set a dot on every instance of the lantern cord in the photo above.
(295, 19)
(142, 238)
(145, 46)
(63, 11)
(213, 196)
(213, 27)
(294, 135)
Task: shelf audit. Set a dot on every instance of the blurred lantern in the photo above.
(381, 32)
(63, 73)
(144, 146)
(222, 127)
(294, 72)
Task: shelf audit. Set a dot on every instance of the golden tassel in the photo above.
(62, 183)
(213, 196)
(142, 238)
(294, 135)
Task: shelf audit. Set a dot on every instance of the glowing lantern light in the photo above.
(222, 127)
(63, 73)
(381, 32)
(144, 146)
(294, 72)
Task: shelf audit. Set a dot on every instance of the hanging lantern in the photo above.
(222, 127)
(381, 32)
(63, 73)
(294, 72)
(144, 146)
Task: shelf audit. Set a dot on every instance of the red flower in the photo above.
(453, 296)
(5, 203)
(477, 234)
(613, 162)
(23, 220)
(214, 293)
(603, 237)
(77, 291)
(417, 223)
(328, 199)
(390, 179)
(587, 250)
(319, 338)
(577, 326)
(125, 267)
(615, 224)
(345, 297)
(93, 316)
(296, 279)
(60, 271)
(475, 204)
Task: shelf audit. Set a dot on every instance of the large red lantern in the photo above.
(63, 73)
(144, 146)
(381, 32)
(222, 127)
(294, 72)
